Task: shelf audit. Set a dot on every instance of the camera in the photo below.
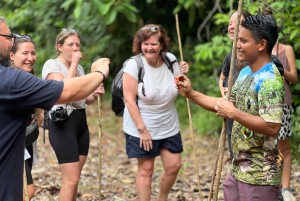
(59, 114)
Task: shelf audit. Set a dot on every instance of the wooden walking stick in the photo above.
(220, 153)
(99, 143)
(189, 112)
(25, 187)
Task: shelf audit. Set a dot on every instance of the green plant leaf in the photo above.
(130, 15)
(110, 17)
(106, 7)
(66, 5)
(187, 4)
(177, 9)
(294, 33)
(77, 10)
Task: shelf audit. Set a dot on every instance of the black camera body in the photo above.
(59, 114)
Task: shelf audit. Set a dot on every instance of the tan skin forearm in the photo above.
(222, 77)
(79, 88)
(226, 109)
(255, 123)
(90, 99)
(130, 86)
(292, 75)
(207, 102)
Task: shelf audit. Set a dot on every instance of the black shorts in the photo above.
(133, 149)
(28, 165)
(70, 138)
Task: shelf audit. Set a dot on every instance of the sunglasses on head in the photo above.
(152, 28)
(22, 36)
(65, 29)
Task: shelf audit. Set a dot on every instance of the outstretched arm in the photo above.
(78, 88)
(185, 89)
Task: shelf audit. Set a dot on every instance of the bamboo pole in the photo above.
(189, 112)
(25, 187)
(218, 169)
(99, 144)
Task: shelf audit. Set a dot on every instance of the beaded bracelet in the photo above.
(98, 71)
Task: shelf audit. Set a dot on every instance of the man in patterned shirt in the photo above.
(256, 105)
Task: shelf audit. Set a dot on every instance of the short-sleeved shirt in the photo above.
(257, 159)
(56, 66)
(20, 93)
(157, 108)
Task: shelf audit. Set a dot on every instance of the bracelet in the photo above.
(98, 71)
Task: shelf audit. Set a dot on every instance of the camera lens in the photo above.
(57, 115)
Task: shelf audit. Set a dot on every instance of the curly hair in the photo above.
(262, 27)
(145, 33)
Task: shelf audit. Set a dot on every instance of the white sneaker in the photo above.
(288, 196)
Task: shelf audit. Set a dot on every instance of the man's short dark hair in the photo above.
(262, 27)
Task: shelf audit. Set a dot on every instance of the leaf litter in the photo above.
(118, 172)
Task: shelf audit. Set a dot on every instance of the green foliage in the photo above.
(295, 139)
(107, 28)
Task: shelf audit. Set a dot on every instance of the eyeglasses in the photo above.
(8, 37)
(65, 29)
(22, 36)
(152, 28)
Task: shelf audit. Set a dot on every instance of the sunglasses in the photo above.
(65, 29)
(152, 28)
(22, 36)
(8, 37)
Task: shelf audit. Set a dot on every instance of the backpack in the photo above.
(117, 85)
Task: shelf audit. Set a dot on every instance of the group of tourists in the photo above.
(258, 113)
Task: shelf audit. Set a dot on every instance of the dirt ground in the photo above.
(118, 172)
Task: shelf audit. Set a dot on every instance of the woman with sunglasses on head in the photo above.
(23, 57)
(68, 129)
(151, 123)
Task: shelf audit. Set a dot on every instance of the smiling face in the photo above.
(71, 44)
(25, 56)
(151, 47)
(248, 49)
(232, 24)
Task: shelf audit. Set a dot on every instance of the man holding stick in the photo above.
(256, 106)
(20, 93)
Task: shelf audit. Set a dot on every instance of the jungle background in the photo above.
(107, 28)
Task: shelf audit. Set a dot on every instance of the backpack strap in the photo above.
(168, 61)
(141, 71)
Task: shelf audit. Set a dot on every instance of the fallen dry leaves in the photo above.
(118, 172)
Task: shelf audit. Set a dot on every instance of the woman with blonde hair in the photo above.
(68, 129)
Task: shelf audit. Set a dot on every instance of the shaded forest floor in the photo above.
(118, 172)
